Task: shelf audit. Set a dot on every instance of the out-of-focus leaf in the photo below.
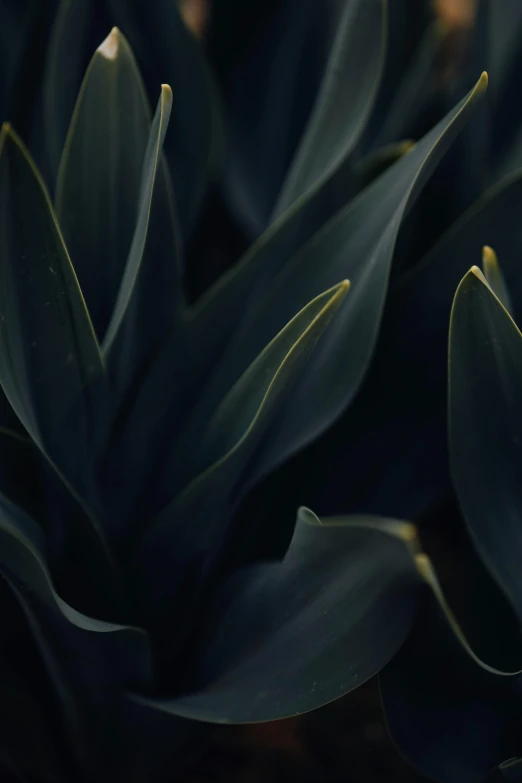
(485, 427)
(450, 718)
(191, 527)
(25, 741)
(357, 243)
(343, 104)
(372, 166)
(507, 772)
(291, 636)
(51, 368)
(83, 655)
(151, 275)
(98, 187)
(495, 278)
(195, 136)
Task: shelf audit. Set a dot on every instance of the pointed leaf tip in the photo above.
(109, 47)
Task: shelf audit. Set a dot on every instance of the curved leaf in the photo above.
(85, 657)
(343, 103)
(485, 427)
(194, 143)
(189, 529)
(136, 300)
(50, 364)
(357, 243)
(291, 636)
(451, 719)
(98, 187)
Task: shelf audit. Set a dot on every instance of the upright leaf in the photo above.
(50, 365)
(186, 537)
(357, 243)
(485, 427)
(98, 188)
(343, 104)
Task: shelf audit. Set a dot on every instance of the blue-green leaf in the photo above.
(50, 364)
(343, 104)
(98, 187)
(485, 427)
(357, 243)
(291, 636)
(189, 529)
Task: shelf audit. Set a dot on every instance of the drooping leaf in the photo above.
(343, 103)
(485, 428)
(189, 530)
(50, 364)
(98, 187)
(291, 636)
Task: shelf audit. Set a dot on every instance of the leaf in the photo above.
(168, 52)
(189, 529)
(98, 187)
(495, 278)
(50, 365)
(450, 718)
(507, 771)
(343, 103)
(291, 636)
(357, 243)
(85, 657)
(485, 427)
(129, 337)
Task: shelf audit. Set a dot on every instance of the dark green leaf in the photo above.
(150, 280)
(297, 634)
(357, 243)
(485, 427)
(98, 188)
(191, 527)
(343, 104)
(50, 365)
(194, 143)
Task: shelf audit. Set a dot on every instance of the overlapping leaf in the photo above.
(189, 530)
(485, 388)
(294, 635)
(50, 364)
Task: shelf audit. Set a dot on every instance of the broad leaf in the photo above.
(357, 243)
(50, 365)
(289, 637)
(485, 426)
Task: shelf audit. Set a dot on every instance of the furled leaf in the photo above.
(343, 103)
(450, 718)
(189, 530)
(485, 427)
(357, 243)
(291, 636)
(50, 365)
(98, 187)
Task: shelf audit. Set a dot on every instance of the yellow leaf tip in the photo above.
(488, 255)
(109, 47)
(483, 81)
(408, 532)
